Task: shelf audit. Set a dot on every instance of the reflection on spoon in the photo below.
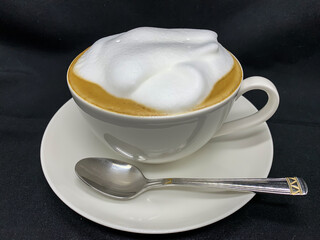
(122, 180)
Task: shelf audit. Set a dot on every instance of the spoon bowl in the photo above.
(111, 177)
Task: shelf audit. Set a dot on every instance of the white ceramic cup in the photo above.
(160, 139)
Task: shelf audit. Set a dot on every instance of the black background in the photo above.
(275, 39)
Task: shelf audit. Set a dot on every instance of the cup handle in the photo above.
(253, 83)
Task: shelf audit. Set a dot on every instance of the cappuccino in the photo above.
(154, 72)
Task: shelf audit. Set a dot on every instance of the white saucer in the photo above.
(244, 154)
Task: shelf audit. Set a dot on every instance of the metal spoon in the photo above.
(122, 180)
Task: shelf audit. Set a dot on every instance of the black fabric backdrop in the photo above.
(38, 40)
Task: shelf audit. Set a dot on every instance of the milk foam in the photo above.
(169, 70)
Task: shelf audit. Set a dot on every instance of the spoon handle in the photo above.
(287, 186)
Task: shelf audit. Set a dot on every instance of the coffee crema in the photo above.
(96, 95)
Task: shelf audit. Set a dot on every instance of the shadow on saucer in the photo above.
(244, 138)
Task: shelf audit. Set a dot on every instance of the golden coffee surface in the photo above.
(96, 95)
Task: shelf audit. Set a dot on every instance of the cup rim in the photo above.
(156, 117)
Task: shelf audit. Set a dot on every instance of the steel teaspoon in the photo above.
(122, 180)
